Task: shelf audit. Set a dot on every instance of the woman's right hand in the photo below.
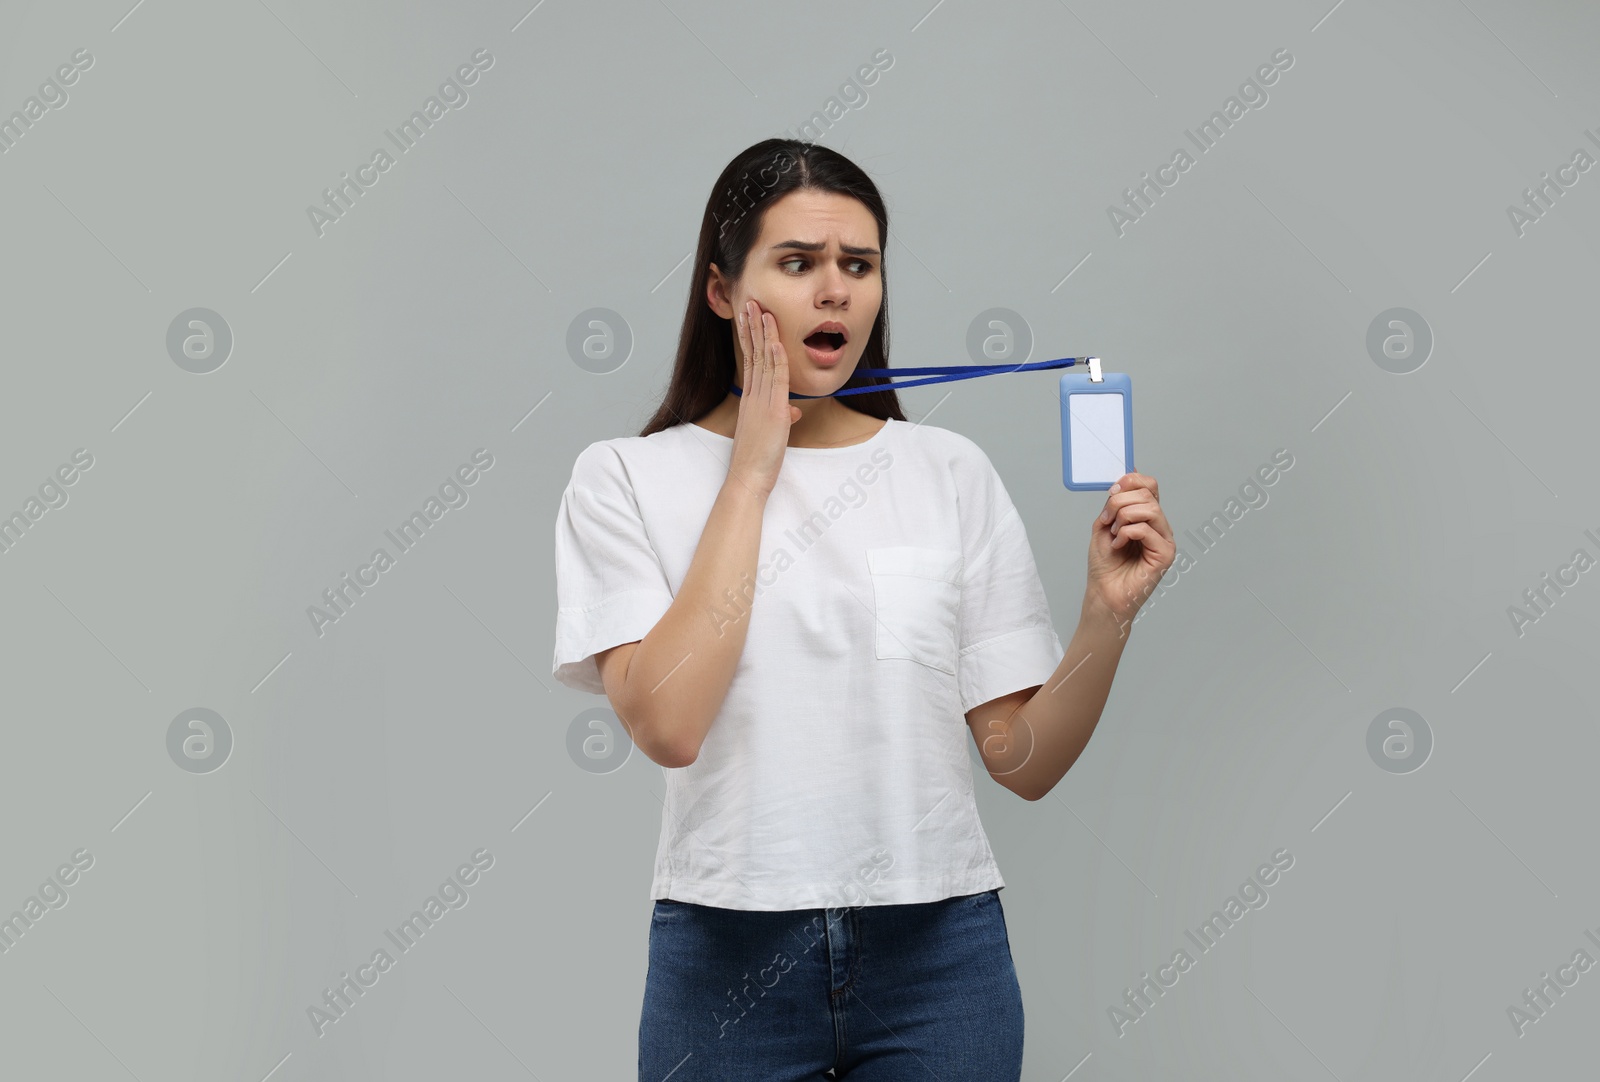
(761, 432)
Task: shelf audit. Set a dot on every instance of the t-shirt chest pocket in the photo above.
(916, 604)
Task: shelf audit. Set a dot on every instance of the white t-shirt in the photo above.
(894, 591)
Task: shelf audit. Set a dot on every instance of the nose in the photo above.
(834, 287)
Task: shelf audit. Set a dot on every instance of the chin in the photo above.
(819, 385)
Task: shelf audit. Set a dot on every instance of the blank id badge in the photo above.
(1096, 428)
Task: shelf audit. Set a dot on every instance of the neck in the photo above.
(824, 422)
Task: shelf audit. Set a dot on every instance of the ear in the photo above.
(717, 294)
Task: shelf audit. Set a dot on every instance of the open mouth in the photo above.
(828, 341)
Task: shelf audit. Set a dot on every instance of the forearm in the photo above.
(678, 676)
(1049, 731)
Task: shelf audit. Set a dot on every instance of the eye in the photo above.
(866, 267)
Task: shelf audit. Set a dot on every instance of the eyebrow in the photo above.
(817, 247)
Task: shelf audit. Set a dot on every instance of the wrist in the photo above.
(1096, 615)
(739, 491)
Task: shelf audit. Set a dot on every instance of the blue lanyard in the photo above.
(937, 374)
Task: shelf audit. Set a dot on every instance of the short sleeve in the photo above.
(610, 585)
(1007, 640)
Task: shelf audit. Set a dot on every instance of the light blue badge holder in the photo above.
(1096, 428)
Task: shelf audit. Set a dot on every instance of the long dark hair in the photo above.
(753, 181)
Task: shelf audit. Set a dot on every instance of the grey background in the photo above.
(368, 363)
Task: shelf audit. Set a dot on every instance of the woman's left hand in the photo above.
(1130, 547)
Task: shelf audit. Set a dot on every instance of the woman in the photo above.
(791, 604)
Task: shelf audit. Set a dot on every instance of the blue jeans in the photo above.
(873, 993)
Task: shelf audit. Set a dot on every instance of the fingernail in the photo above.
(1116, 487)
